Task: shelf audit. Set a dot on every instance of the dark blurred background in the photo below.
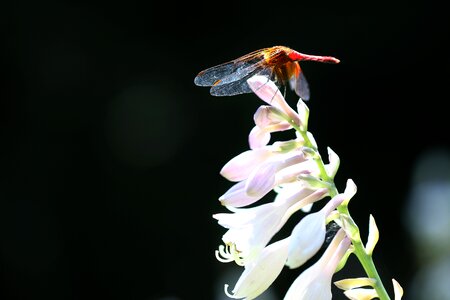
(110, 155)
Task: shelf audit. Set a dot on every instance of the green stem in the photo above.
(365, 259)
(308, 143)
(359, 250)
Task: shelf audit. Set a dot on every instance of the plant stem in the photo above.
(365, 259)
(359, 250)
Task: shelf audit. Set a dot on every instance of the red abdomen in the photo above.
(297, 56)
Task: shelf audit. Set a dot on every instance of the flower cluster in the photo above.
(295, 171)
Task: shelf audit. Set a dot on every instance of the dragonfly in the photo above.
(279, 64)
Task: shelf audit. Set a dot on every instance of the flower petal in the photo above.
(262, 180)
(266, 90)
(265, 177)
(303, 113)
(250, 229)
(260, 274)
(306, 239)
(239, 167)
(350, 189)
(351, 283)
(267, 115)
(361, 294)
(270, 93)
(258, 137)
(333, 166)
(287, 190)
(398, 290)
(309, 234)
(373, 236)
(315, 282)
(237, 196)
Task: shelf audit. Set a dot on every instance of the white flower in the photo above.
(237, 196)
(315, 282)
(240, 166)
(275, 169)
(261, 273)
(250, 229)
(270, 93)
(309, 234)
(279, 116)
(288, 189)
(267, 119)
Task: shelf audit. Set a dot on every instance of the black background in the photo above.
(110, 155)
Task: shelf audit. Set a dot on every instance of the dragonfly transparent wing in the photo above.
(215, 74)
(239, 86)
(229, 71)
(300, 86)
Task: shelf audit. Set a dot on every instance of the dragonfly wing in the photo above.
(239, 86)
(241, 73)
(230, 71)
(231, 89)
(211, 75)
(301, 86)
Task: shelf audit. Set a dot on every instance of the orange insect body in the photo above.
(278, 63)
(284, 67)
